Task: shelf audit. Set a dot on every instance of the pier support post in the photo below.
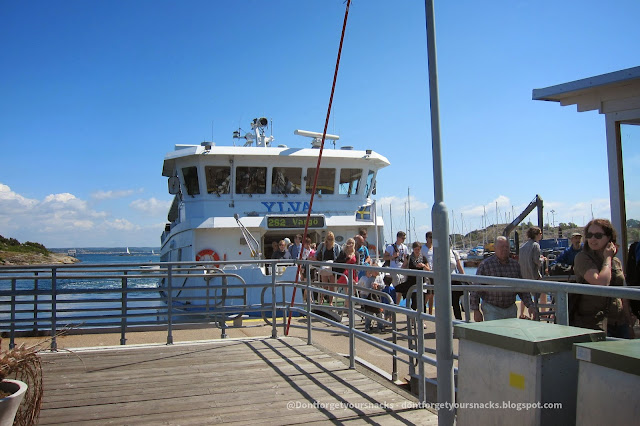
(440, 223)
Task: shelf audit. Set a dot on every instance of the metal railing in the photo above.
(130, 297)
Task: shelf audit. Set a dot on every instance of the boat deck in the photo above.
(232, 381)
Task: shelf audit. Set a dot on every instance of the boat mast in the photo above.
(391, 224)
(453, 228)
(484, 226)
(409, 227)
(375, 226)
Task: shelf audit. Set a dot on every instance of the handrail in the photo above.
(38, 298)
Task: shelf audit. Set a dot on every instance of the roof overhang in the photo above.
(612, 92)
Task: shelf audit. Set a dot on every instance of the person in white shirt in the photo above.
(427, 249)
(396, 256)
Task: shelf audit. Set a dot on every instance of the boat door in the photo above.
(271, 239)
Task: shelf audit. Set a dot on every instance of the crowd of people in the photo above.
(593, 262)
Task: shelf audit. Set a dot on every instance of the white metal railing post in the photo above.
(12, 334)
(35, 302)
(308, 301)
(422, 398)
(274, 325)
(54, 296)
(562, 308)
(123, 320)
(394, 339)
(169, 304)
(223, 316)
(465, 303)
(352, 338)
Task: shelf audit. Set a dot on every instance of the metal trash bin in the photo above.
(608, 382)
(508, 370)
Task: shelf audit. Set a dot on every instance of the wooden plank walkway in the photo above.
(264, 380)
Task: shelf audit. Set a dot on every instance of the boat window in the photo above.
(218, 179)
(349, 181)
(370, 183)
(251, 180)
(326, 180)
(286, 180)
(191, 182)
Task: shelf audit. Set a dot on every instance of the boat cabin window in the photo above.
(326, 180)
(218, 179)
(191, 182)
(370, 183)
(286, 180)
(251, 180)
(349, 181)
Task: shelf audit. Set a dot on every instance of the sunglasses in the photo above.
(597, 235)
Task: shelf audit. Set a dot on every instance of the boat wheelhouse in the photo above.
(265, 189)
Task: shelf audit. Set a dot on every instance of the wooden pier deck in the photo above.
(263, 380)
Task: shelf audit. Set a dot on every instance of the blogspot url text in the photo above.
(491, 405)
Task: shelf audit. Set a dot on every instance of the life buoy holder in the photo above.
(207, 255)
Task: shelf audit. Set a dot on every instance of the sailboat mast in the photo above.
(497, 221)
(484, 226)
(409, 203)
(453, 228)
(391, 223)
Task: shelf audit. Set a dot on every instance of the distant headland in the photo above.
(12, 252)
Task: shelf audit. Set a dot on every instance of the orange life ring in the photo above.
(207, 255)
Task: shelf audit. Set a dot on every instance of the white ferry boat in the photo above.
(266, 189)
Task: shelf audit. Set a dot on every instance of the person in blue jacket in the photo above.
(569, 254)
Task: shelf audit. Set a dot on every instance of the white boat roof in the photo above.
(346, 155)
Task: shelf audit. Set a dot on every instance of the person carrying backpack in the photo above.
(328, 251)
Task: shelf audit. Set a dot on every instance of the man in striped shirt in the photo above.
(499, 304)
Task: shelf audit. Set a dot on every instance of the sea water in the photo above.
(84, 289)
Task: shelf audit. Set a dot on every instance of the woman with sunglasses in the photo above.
(596, 264)
(328, 251)
(416, 261)
(348, 256)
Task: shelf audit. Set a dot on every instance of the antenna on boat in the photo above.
(316, 140)
(257, 125)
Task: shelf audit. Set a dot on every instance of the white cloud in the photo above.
(13, 202)
(111, 195)
(60, 220)
(121, 225)
(399, 204)
(475, 213)
(151, 206)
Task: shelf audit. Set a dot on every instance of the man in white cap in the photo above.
(569, 254)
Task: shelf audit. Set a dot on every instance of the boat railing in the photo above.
(125, 298)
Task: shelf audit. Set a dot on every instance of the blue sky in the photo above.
(94, 94)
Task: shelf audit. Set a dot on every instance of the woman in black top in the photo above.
(328, 252)
(416, 261)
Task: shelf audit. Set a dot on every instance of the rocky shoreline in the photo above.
(14, 258)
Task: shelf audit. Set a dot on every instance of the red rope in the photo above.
(315, 179)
